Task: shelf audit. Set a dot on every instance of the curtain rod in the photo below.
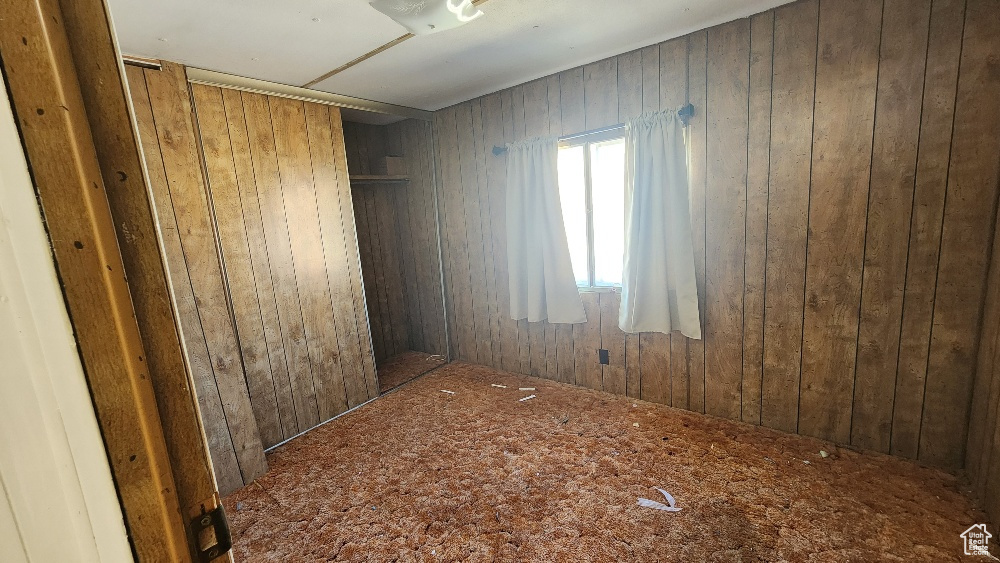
(685, 113)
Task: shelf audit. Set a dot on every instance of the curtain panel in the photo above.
(542, 285)
(659, 288)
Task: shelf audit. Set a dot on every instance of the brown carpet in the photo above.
(422, 475)
(401, 368)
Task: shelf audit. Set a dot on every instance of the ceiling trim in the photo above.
(360, 59)
(221, 79)
(368, 55)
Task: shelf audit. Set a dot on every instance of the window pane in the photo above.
(572, 194)
(607, 177)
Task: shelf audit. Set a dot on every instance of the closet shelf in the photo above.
(378, 179)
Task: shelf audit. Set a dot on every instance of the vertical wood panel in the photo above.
(846, 77)
(612, 340)
(420, 200)
(378, 290)
(654, 367)
(265, 168)
(519, 133)
(199, 362)
(758, 172)
(986, 390)
(301, 213)
(454, 205)
(225, 200)
(937, 116)
(509, 327)
(793, 79)
(483, 152)
(359, 199)
(447, 238)
(668, 90)
(263, 281)
(965, 240)
(571, 102)
(600, 86)
(496, 172)
(336, 255)
(353, 254)
(697, 161)
(388, 222)
(179, 150)
(473, 224)
(630, 92)
(890, 200)
(726, 194)
(586, 343)
(408, 242)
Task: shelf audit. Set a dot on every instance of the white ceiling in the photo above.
(294, 41)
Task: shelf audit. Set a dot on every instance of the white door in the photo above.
(57, 499)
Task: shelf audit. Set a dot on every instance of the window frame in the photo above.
(585, 140)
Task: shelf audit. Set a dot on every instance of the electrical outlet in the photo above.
(602, 355)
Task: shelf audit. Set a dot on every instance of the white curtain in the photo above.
(542, 285)
(659, 288)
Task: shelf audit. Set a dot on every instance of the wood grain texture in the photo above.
(105, 94)
(474, 232)
(70, 160)
(812, 284)
(982, 457)
(612, 340)
(792, 90)
(495, 134)
(227, 208)
(697, 72)
(482, 153)
(758, 175)
(665, 70)
(725, 216)
(587, 342)
(181, 155)
(337, 253)
(299, 198)
(944, 47)
(973, 175)
(196, 357)
(347, 214)
(289, 308)
(263, 281)
(274, 199)
(890, 201)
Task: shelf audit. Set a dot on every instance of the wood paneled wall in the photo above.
(177, 188)
(397, 237)
(277, 178)
(252, 199)
(982, 461)
(843, 176)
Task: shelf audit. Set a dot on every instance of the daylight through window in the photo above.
(592, 190)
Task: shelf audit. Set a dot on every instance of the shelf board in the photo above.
(377, 179)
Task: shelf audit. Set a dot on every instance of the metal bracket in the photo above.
(211, 534)
(602, 356)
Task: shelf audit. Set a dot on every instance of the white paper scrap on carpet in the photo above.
(669, 507)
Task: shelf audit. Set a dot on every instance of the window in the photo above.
(592, 191)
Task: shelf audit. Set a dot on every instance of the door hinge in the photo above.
(211, 534)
